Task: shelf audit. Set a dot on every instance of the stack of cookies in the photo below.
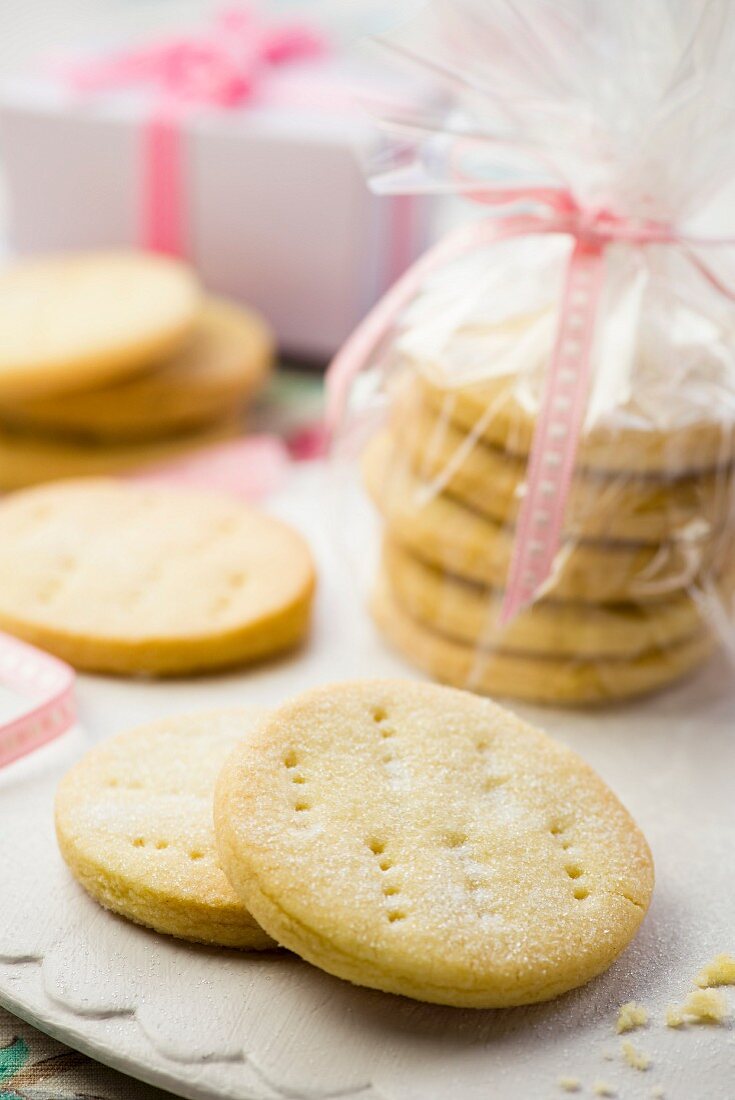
(116, 360)
(644, 550)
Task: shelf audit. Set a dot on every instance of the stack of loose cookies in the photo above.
(116, 360)
(402, 836)
(645, 541)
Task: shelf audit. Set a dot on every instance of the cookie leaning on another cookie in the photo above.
(423, 841)
(142, 578)
(72, 322)
(134, 824)
(223, 362)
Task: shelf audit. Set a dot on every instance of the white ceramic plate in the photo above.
(205, 1023)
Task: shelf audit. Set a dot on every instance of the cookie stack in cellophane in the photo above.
(112, 361)
(643, 553)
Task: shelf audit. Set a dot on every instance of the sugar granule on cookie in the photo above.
(570, 1084)
(720, 971)
(635, 1058)
(426, 842)
(631, 1016)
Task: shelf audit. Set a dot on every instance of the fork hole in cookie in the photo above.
(491, 782)
(385, 864)
(291, 758)
(573, 870)
(161, 844)
(581, 892)
(390, 891)
(396, 915)
(379, 714)
(139, 842)
(299, 779)
(301, 806)
(195, 854)
(455, 839)
(377, 847)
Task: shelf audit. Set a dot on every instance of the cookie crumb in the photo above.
(570, 1084)
(636, 1059)
(601, 1088)
(674, 1017)
(720, 971)
(631, 1016)
(705, 1006)
(657, 1092)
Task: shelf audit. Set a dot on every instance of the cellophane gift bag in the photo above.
(541, 411)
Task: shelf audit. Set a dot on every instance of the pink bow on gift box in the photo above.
(221, 67)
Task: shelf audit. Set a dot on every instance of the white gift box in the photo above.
(278, 211)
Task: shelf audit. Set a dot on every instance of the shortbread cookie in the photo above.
(461, 541)
(620, 506)
(134, 824)
(72, 322)
(223, 362)
(469, 614)
(28, 459)
(426, 842)
(496, 411)
(565, 681)
(126, 578)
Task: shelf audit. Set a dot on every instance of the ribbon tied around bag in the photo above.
(551, 462)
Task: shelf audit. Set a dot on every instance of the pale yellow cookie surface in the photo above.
(28, 459)
(134, 824)
(223, 362)
(620, 506)
(568, 681)
(470, 614)
(119, 577)
(71, 322)
(426, 842)
(460, 540)
(499, 414)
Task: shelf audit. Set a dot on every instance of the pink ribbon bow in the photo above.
(221, 67)
(563, 400)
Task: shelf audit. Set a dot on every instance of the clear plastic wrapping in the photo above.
(606, 129)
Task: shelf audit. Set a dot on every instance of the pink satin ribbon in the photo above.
(50, 685)
(222, 67)
(563, 401)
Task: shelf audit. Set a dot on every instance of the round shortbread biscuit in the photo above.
(619, 506)
(134, 824)
(567, 681)
(469, 613)
(225, 360)
(494, 411)
(28, 459)
(426, 842)
(71, 322)
(143, 578)
(452, 537)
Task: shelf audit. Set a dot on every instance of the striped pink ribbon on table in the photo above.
(566, 385)
(49, 684)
